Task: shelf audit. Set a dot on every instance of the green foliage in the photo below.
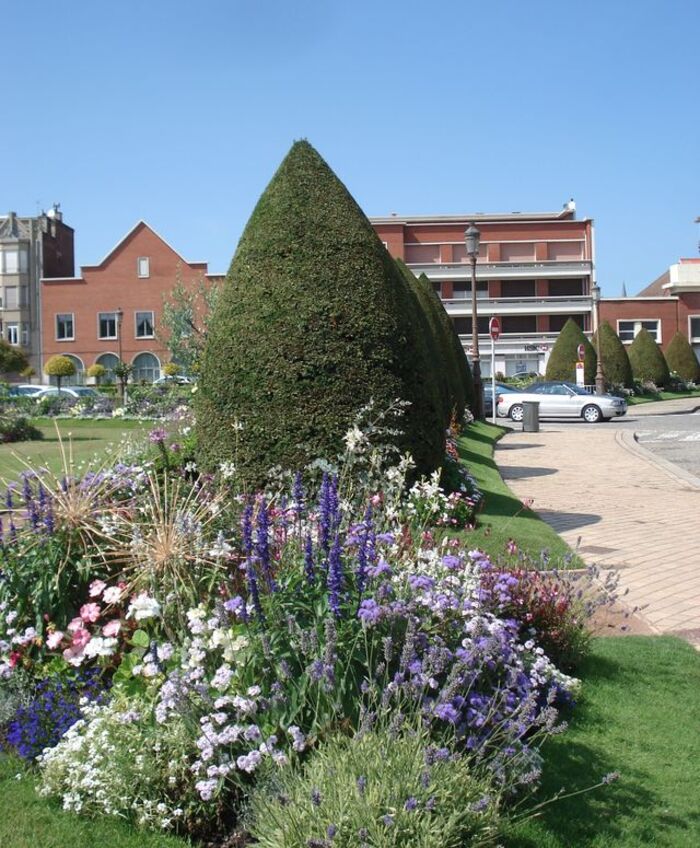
(16, 427)
(59, 366)
(647, 360)
(11, 358)
(563, 358)
(183, 325)
(97, 371)
(460, 372)
(616, 364)
(170, 369)
(375, 789)
(314, 320)
(681, 358)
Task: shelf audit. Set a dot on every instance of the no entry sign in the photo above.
(494, 328)
(581, 350)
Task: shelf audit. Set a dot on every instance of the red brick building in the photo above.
(669, 305)
(112, 309)
(534, 272)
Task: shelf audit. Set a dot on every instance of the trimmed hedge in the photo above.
(616, 363)
(647, 360)
(464, 391)
(681, 358)
(563, 358)
(313, 321)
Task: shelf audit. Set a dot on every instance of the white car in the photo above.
(561, 400)
(66, 391)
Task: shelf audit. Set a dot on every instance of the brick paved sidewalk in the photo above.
(594, 485)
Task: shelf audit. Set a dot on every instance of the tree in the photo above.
(564, 356)
(681, 358)
(170, 369)
(182, 326)
(314, 321)
(122, 371)
(59, 367)
(97, 372)
(647, 360)
(12, 359)
(616, 363)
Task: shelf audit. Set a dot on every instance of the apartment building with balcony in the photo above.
(112, 311)
(666, 306)
(534, 272)
(30, 249)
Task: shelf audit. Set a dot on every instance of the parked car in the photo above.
(24, 390)
(562, 400)
(173, 379)
(501, 388)
(67, 391)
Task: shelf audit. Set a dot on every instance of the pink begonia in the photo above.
(112, 627)
(112, 595)
(97, 587)
(90, 612)
(74, 656)
(53, 640)
(76, 624)
(80, 638)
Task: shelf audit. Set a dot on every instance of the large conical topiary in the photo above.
(681, 358)
(465, 397)
(647, 360)
(615, 362)
(432, 333)
(314, 320)
(563, 358)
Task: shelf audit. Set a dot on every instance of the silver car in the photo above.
(562, 400)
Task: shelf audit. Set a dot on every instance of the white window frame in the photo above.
(637, 322)
(25, 334)
(691, 338)
(136, 323)
(58, 315)
(12, 330)
(100, 315)
(146, 266)
(4, 253)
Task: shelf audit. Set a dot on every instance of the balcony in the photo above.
(567, 305)
(513, 342)
(503, 270)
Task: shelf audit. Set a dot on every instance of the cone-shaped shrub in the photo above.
(563, 358)
(461, 364)
(436, 370)
(313, 321)
(616, 363)
(647, 360)
(681, 358)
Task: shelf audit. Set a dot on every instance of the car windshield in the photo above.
(83, 391)
(578, 390)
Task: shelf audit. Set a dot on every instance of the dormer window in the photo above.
(143, 266)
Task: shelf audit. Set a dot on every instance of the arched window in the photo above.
(110, 362)
(146, 368)
(78, 379)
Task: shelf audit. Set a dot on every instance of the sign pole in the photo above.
(494, 332)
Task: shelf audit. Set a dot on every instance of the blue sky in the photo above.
(180, 112)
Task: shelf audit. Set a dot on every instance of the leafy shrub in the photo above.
(616, 363)
(12, 359)
(382, 789)
(647, 360)
(681, 358)
(561, 364)
(59, 367)
(314, 320)
(159, 401)
(15, 427)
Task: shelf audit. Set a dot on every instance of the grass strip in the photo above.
(636, 400)
(504, 519)
(639, 715)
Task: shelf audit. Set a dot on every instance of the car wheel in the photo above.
(591, 414)
(516, 412)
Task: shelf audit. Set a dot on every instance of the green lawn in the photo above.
(504, 517)
(632, 401)
(89, 440)
(639, 715)
(28, 821)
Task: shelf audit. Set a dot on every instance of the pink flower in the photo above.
(76, 624)
(80, 639)
(112, 595)
(97, 587)
(90, 612)
(74, 656)
(112, 627)
(53, 640)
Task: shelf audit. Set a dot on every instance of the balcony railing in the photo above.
(502, 270)
(520, 306)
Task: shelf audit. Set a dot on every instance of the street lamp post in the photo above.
(599, 376)
(471, 239)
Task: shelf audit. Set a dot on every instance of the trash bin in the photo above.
(531, 416)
